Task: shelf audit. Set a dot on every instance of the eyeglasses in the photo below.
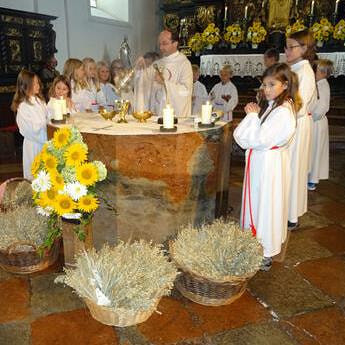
(291, 47)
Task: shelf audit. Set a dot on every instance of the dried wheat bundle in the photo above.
(217, 251)
(128, 276)
(22, 224)
(21, 194)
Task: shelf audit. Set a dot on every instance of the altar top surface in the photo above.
(94, 123)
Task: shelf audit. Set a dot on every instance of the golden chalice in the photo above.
(107, 115)
(121, 109)
(142, 116)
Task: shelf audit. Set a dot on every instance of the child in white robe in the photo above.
(92, 81)
(320, 143)
(74, 72)
(224, 95)
(32, 117)
(266, 133)
(200, 95)
(107, 88)
(60, 88)
(299, 51)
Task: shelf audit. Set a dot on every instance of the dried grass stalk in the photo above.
(128, 276)
(21, 194)
(22, 224)
(218, 250)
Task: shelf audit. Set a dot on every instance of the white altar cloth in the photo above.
(253, 64)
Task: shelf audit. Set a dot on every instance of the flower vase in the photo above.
(319, 44)
(233, 46)
(254, 46)
(209, 46)
(71, 243)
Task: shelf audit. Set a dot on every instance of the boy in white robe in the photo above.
(320, 141)
(224, 95)
(200, 95)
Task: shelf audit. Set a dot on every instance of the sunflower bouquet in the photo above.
(233, 34)
(256, 33)
(298, 25)
(211, 35)
(64, 182)
(339, 30)
(196, 42)
(322, 31)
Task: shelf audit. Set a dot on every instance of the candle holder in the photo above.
(311, 20)
(122, 108)
(206, 125)
(167, 130)
(334, 18)
(160, 120)
(58, 122)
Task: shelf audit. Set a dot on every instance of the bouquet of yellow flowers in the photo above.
(322, 31)
(196, 43)
(233, 34)
(298, 25)
(64, 182)
(211, 34)
(256, 33)
(339, 30)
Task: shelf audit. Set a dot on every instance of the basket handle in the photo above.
(11, 248)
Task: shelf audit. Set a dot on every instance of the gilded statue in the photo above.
(279, 11)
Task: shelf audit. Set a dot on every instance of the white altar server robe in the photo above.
(97, 95)
(109, 93)
(269, 174)
(219, 103)
(320, 143)
(300, 150)
(32, 123)
(178, 76)
(199, 97)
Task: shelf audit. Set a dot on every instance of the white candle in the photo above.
(168, 117)
(246, 12)
(206, 112)
(312, 7)
(226, 13)
(57, 108)
(336, 7)
(63, 105)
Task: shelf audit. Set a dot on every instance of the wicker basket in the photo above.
(22, 258)
(206, 291)
(121, 317)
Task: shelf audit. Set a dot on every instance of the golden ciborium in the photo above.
(142, 116)
(121, 109)
(107, 115)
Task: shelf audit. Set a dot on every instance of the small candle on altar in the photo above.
(336, 7)
(168, 117)
(226, 13)
(57, 109)
(312, 7)
(63, 105)
(246, 12)
(206, 113)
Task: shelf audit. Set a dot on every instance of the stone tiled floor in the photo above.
(300, 301)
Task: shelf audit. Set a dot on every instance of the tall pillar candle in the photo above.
(63, 106)
(168, 117)
(206, 112)
(57, 108)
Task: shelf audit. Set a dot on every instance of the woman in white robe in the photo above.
(267, 173)
(32, 118)
(299, 45)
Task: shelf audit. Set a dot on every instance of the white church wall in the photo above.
(78, 34)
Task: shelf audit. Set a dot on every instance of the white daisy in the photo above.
(72, 215)
(42, 182)
(76, 190)
(44, 211)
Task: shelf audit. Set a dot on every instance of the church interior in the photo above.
(160, 167)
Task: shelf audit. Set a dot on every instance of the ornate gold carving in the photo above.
(37, 46)
(171, 21)
(35, 22)
(8, 89)
(205, 15)
(279, 13)
(11, 19)
(13, 32)
(36, 34)
(15, 50)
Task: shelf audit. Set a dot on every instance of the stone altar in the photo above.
(158, 181)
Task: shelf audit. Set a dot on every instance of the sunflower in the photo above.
(75, 154)
(48, 198)
(87, 174)
(35, 166)
(88, 203)
(50, 162)
(61, 137)
(64, 204)
(57, 180)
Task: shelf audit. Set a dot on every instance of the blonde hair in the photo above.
(25, 81)
(59, 79)
(325, 66)
(195, 68)
(87, 62)
(227, 68)
(71, 65)
(101, 64)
